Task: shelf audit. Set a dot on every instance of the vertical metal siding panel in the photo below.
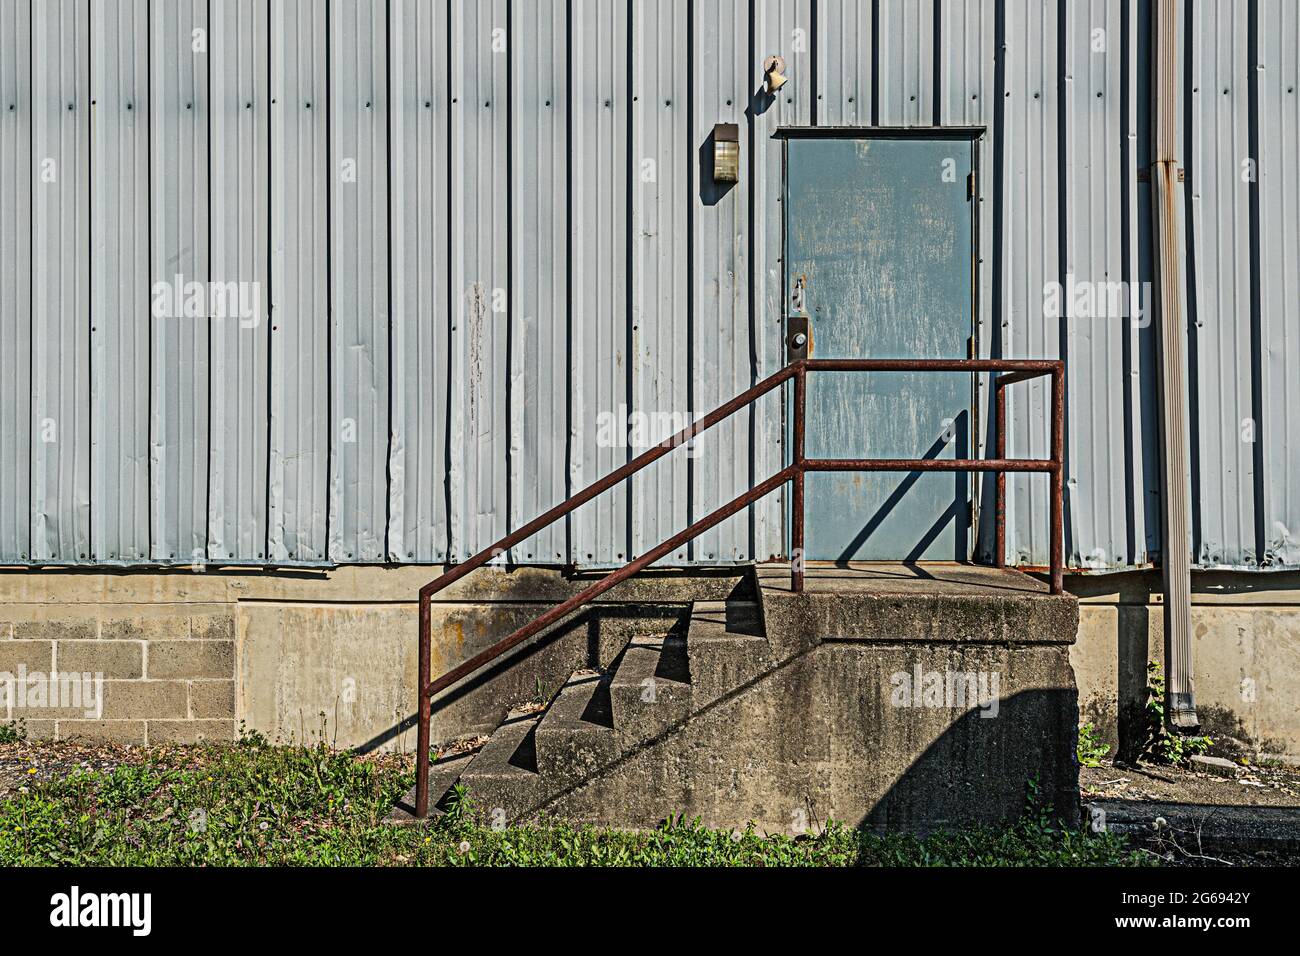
(600, 377)
(1220, 142)
(358, 280)
(784, 27)
(17, 181)
(61, 282)
(1096, 485)
(966, 97)
(240, 129)
(662, 157)
(906, 50)
(179, 254)
(720, 353)
(417, 524)
(966, 58)
(119, 294)
(1279, 204)
(299, 294)
(844, 58)
(479, 279)
(1031, 193)
(538, 348)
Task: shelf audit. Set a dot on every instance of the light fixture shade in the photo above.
(726, 153)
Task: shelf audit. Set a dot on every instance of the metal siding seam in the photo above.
(906, 68)
(359, 282)
(17, 177)
(60, 476)
(661, 156)
(844, 68)
(1221, 226)
(119, 292)
(479, 273)
(1279, 186)
(240, 204)
(417, 462)
(179, 247)
(720, 301)
(783, 27)
(1030, 257)
(1095, 477)
(299, 306)
(598, 240)
(538, 283)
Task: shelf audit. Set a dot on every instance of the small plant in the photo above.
(1163, 747)
(460, 806)
(251, 738)
(540, 694)
(13, 733)
(1091, 750)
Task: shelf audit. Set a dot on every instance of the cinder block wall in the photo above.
(150, 673)
(302, 655)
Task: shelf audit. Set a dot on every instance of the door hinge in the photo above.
(970, 185)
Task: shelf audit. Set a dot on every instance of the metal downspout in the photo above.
(1180, 707)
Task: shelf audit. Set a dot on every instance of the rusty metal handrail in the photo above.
(1010, 371)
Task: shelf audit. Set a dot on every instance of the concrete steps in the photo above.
(786, 708)
(595, 719)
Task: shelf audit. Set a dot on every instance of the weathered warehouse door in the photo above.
(879, 248)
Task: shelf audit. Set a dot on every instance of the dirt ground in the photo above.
(1254, 786)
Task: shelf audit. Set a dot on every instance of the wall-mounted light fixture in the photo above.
(774, 73)
(726, 153)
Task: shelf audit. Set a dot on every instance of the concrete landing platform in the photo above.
(908, 603)
(881, 578)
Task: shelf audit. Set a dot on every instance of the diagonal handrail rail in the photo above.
(1008, 372)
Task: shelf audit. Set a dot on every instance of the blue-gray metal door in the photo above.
(879, 253)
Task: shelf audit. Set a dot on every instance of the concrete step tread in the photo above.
(581, 704)
(726, 621)
(659, 658)
(511, 750)
(576, 736)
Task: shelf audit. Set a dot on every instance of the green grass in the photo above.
(263, 805)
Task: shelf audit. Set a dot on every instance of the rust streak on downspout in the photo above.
(1180, 707)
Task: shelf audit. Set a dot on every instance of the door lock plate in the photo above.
(798, 338)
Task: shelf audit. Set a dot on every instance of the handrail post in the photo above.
(796, 504)
(1000, 507)
(1058, 478)
(422, 732)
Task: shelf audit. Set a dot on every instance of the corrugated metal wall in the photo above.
(479, 235)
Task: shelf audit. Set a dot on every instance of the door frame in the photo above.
(975, 136)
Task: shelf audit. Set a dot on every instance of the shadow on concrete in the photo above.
(984, 770)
